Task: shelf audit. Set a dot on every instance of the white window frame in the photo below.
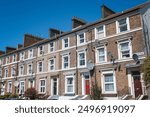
(29, 69)
(38, 67)
(96, 32)
(42, 86)
(41, 52)
(30, 53)
(29, 83)
(63, 56)
(7, 60)
(21, 56)
(49, 67)
(103, 82)
(52, 48)
(63, 43)
(79, 52)
(21, 69)
(97, 54)
(66, 85)
(127, 23)
(52, 85)
(20, 87)
(6, 75)
(1, 61)
(13, 71)
(14, 58)
(78, 38)
(9, 89)
(119, 49)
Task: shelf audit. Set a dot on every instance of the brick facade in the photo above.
(122, 75)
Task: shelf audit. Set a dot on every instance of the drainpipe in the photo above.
(76, 65)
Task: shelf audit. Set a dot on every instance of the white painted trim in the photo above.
(9, 82)
(78, 41)
(50, 64)
(52, 80)
(30, 53)
(79, 52)
(102, 82)
(42, 86)
(20, 87)
(38, 67)
(66, 77)
(65, 55)
(63, 46)
(97, 55)
(119, 51)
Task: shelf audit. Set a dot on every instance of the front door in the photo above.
(55, 86)
(137, 83)
(87, 87)
(87, 84)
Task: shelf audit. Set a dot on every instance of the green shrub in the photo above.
(95, 92)
(146, 70)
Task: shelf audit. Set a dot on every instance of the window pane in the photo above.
(124, 46)
(81, 38)
(70, 81)
(109, 78)
(109, 87)
(122, 21)
(100, 29)
(70, 89)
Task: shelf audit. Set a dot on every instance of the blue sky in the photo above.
(35, 17)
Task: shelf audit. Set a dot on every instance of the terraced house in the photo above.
(108, 52)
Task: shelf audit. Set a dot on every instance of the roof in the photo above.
(83, 27)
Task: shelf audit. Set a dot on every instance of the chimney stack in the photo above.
(76, 22)
(106, 11)
(30, 39)
(53, 32)
(9, 49)
(2, 52)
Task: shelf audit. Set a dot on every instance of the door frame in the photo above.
(83, 82)
(52, 81)
(131, 82)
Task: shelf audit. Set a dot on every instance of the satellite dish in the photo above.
(135, 58)
(90, 65)
(16, 83)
